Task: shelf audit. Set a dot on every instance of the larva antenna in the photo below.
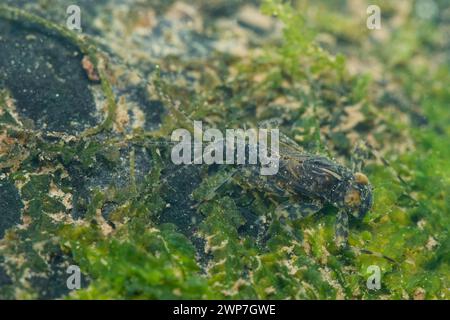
(359, 155)
(373, 253)
(388, 164)
(365, 148)
(362, 152)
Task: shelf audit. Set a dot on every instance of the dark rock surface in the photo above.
(46, 79)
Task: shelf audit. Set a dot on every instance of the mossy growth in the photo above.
(139, 227)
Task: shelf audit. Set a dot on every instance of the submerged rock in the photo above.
(44, 76)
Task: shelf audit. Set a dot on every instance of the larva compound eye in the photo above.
(352, 198)
(361, 178)
(358, 199)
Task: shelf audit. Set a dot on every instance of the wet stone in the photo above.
(153, 109)
(106, 173)
(10, 206)
(5, 279)
(53, 284)
(45, 77)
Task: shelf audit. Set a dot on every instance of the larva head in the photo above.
(358, 196)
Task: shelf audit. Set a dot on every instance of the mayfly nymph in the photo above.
(305, 183)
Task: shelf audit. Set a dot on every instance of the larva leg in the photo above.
(341, 229)
(295, 211)
(290, 210)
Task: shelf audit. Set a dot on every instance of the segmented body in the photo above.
(305, 183)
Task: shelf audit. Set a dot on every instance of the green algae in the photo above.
(141, 228)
